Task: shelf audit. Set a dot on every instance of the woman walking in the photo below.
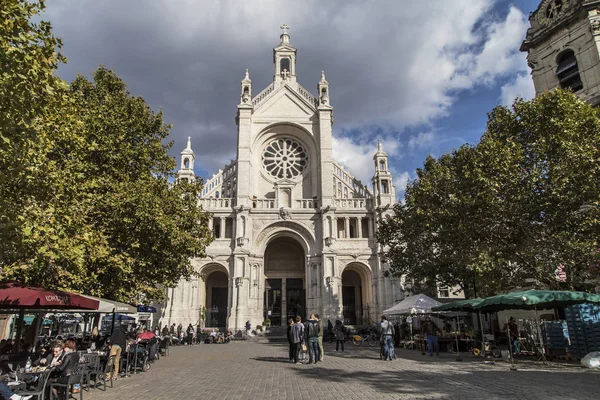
(340, 334)
(290, 341)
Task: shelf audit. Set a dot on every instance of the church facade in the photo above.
(294, 231)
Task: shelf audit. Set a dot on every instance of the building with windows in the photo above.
(294, 231)
(563, 47)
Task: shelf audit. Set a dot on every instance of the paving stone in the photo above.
(251, 370)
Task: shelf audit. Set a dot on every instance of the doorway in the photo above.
(273, 300)
(216, 299)
(284, 295)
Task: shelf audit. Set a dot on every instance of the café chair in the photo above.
(40, 388)
(107, 371)
(75, 378)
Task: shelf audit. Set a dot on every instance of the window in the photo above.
(284, 158)
(186, 162)
(346, 192)
(384, 187)
(382, 165)
(217, 194)
(568, 72)
(284, 64)
(444, 292)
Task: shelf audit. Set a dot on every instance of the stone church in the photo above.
(294, 230)
(563, 47)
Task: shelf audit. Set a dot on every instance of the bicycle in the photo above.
(371, 339)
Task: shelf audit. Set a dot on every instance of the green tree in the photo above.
(521, 202)
(87, 195)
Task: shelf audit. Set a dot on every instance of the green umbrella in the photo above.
(536, 299)
(458, 305)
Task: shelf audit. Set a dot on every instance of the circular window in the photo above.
(284, 158)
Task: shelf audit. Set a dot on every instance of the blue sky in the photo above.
(418, 75)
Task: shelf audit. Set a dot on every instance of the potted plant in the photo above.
(267, 323)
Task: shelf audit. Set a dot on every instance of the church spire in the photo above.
(285, 37)
(246, 95)
(284, 58)
(186, 170)
(383, 187)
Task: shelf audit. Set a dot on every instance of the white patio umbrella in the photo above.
(417, 304)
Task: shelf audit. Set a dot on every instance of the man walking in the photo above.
(386, 330)
(430, 329)
(297, 333)
(320, 337)
(313, 339)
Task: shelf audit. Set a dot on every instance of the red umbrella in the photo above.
(14, 295)
(146, 335)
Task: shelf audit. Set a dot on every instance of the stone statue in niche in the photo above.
(284, 213)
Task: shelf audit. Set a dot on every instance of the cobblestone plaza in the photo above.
(252, 370)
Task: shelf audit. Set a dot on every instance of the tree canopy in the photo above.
(518, 205)
(86, 183)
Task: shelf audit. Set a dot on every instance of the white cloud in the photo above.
(388, 64)
(422, 140)
(357, 155)
(521, 86)
(400, 181)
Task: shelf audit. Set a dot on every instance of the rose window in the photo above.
(284, 158)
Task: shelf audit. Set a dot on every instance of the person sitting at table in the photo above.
(67, 365)
(52, 359)
(8, 394)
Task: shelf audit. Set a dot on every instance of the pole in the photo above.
(510, 346)
(539, 335)
(112, 324)
(20, 320)
(40, 319)
(458, 357)
(482, 336)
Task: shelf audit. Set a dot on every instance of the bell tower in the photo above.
(284, 59)
(186, 170)
(383, 188)
(563, 47)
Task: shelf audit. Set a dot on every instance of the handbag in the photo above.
(304, 347)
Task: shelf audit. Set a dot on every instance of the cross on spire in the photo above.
(285, 28)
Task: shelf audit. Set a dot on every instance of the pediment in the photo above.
(285, 47)
(285, 183)
(285, 102)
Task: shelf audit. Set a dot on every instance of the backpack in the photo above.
(313, 329)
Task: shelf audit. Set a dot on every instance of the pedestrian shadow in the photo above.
(272, 359)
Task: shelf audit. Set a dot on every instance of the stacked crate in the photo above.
(555, 338)
(583, 322)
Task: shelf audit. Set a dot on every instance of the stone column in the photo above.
(370, 227)
(223, 223)
(359, 226)
(347, 227)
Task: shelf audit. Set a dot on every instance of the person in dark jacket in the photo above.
(118, 344)
(312, 334)
(340, 334)
(289, 338)
(431, 329)
(297, 333)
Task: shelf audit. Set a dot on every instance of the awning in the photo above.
(14, 295)
(108, 306)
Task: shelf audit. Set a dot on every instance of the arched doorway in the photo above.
(285, 295)
(356, 294)
(216, 299)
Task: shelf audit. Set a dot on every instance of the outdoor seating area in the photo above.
(62, 344)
